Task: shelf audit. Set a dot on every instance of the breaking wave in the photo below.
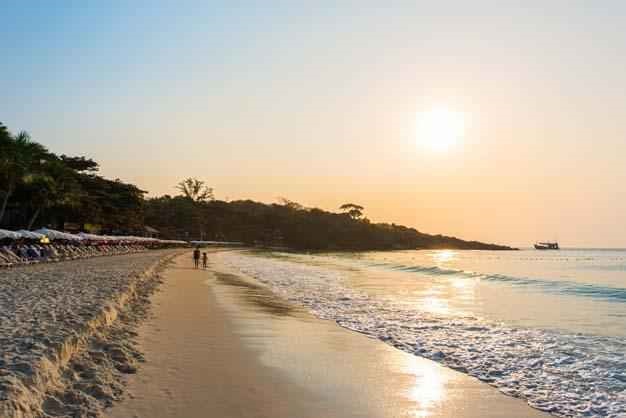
(549, 286)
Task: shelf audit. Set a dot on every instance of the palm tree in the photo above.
(6, 158)
(19, 157)
(54, 185)
(42, 192)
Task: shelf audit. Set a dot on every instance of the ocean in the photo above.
(545, 326)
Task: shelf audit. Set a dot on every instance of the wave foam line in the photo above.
(607, 293)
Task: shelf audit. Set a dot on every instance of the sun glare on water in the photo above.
(440, 128)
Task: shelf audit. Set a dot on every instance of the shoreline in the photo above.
(221, 345)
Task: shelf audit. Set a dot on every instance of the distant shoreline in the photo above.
(348, 250)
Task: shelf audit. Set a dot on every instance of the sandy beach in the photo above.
(221, 345)
(66, 332)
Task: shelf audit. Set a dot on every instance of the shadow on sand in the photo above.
(256, 294)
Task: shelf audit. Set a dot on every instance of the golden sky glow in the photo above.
(497, 122)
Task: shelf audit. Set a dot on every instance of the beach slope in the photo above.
(66, 332)
(220, 345)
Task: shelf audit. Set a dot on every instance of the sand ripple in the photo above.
(62, 348)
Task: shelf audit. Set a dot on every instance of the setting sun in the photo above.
(440, 128)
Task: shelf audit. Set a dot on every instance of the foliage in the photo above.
(80, 164)
(195, 190)
(288, 224)
(290, 204)
(353, 211)
(39, 188)
(19, 157)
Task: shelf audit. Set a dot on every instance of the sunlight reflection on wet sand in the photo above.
(353, 375)
(429, 387)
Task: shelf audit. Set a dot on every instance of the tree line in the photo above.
(288, 224)
(39, 188)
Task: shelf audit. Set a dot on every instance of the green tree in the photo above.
(19, 157)
(54, 184)
(80, 164)
(41, 191)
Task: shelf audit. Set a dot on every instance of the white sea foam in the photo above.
(565, 374)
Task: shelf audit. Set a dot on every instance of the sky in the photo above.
(320, 102)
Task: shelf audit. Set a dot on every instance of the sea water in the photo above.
(545, 326)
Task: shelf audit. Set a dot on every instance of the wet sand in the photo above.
(220, 345)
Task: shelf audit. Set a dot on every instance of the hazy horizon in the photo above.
(319, 104)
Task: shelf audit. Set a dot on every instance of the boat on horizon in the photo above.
(547, 246)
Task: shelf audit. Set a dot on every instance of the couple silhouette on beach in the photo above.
(196, 258)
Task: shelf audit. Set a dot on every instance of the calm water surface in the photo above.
(571, 290)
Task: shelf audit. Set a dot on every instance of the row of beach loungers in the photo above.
(24, 247)
(23, 253)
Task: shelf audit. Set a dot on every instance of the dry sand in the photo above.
(66, 333)
(220, 345)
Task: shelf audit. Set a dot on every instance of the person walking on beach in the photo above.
(196, 257)
(204, 260)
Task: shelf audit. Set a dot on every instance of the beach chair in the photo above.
(10, 255)
(55, 255)
(5, 262)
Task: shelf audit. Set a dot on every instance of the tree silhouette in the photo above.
(195, 190)
(290, 204)
(353, 210)
(19, 156)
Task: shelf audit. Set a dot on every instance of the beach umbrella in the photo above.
(53, 234)
(72, 237)
(91, 237)
(29, 234)
(172, 241)
(5, 234)
(50, 233)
